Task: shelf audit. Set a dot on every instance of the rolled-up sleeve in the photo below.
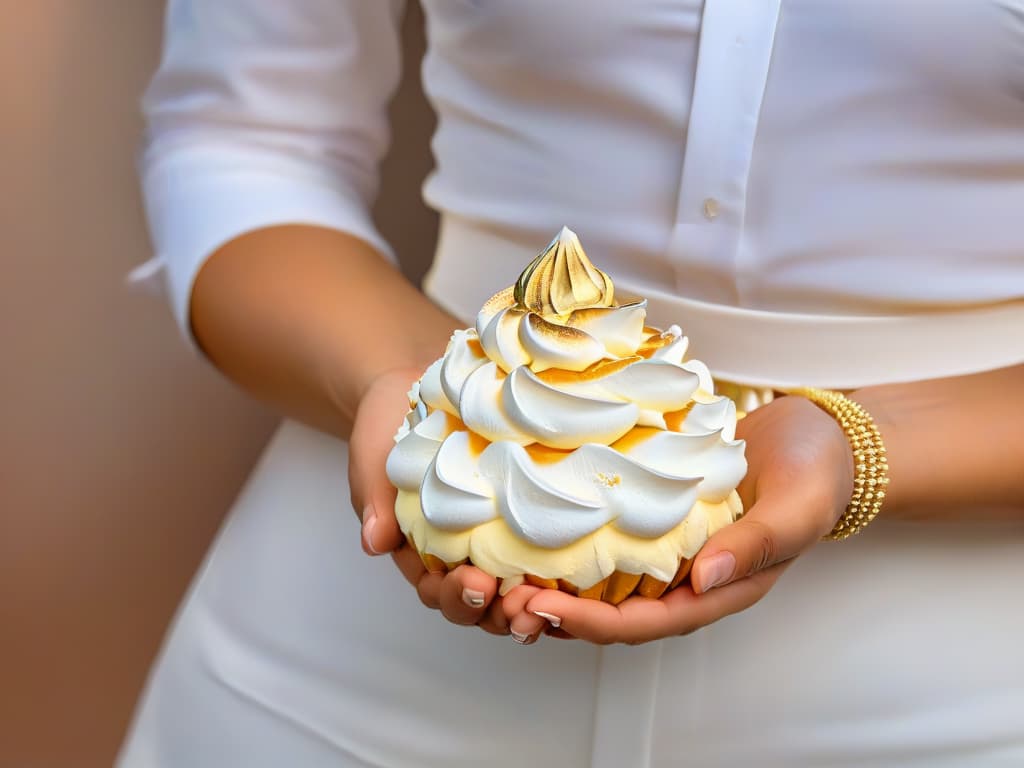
(264, 113)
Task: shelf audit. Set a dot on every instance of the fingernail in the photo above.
(551, 619)
(520, 637)
(369, 523)
(716, 570)
(472, 598)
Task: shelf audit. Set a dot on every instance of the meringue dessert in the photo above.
(564, 443)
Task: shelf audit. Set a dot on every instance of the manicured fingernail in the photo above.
(520, 637)
(551, 619)
(716, 570)
(369, 523)
(472, 598)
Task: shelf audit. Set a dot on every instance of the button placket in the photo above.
(734, 54)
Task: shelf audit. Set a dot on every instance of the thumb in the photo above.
(777, 528)
(377, 419)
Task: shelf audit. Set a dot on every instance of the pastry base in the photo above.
(612, 589)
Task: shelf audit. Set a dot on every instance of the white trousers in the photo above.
(901, 647)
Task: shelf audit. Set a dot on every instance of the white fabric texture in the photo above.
(762, 348)
(263, 114)
(839, 157)
(294, 648)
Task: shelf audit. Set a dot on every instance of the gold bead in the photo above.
(869, 457)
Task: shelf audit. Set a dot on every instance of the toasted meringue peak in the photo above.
(561, 279)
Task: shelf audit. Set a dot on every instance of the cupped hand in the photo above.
(798, 483)
(466, 595)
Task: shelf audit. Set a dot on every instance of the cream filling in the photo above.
(496, 549)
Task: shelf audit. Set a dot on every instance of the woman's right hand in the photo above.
(291, 332)
(465, 595)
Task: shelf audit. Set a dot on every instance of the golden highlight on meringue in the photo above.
(562, 279)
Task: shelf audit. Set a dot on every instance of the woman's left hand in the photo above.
(799, 481)
(465, 595)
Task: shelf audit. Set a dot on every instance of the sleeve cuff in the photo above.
(198, 199)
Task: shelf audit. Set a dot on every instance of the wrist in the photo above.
(308, 333)
(869, 460)
(408, 361)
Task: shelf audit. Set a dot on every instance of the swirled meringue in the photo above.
(561, 437)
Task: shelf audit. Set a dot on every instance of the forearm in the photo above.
(955, 445)
(306, 317)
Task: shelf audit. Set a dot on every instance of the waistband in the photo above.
(759, 348)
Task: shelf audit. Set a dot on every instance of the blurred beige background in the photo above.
(119, 451)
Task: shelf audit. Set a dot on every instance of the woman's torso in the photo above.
(860, 157)
(802, 156)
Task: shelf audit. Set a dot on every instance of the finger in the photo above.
(514, 601)
(558, 634)
(592, 620)
(747, 489)
(409, 563)
(373, 497)
(517, 605)
(525, 627)
(466, 593)
(782, 523)
(640, 619)
(381, 533)
(429, 589)
(494, 620)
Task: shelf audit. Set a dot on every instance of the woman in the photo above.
(820, 193)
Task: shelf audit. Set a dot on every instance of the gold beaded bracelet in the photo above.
(871, 470)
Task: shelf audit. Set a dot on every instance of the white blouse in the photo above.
(861, 157)
(810, 174)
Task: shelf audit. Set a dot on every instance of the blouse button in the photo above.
(710, 209)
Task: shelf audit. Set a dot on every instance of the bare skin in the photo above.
(294, 315)
(316, 323)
